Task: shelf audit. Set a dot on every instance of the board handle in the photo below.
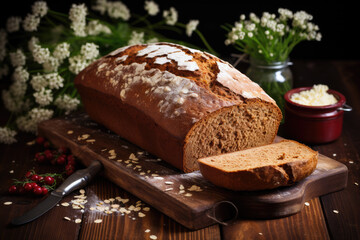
(223, 212)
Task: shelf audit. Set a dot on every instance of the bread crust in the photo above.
(153, 94)
(263, 177)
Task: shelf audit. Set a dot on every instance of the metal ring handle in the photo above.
(345, 108)
(212, 213)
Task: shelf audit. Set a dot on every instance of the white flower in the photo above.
(40, 8)
(254, 18)
(62, 51)
(152, 8)
(18, 89)
(4, 71)
(301, 18)
(40, 54)
(89, 51)
(77, 15)
(51, 64)
(17, 58)
(65, 102)
(13, 24)
(95, 28)
(7, 135)
(20, 74)
(12, 103)
(136, 38)
(171, 16)
(38, 82)
(3, 41)
(31, 23)
(33, 42)
(191, 27)
(77, 63)
(30, 121)
(101, 6)
(285, 14)
(43, 97)
(118, 10)
(55, 81)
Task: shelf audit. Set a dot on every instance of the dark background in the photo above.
(338, 21)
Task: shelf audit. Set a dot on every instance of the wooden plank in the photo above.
(307, 224)
(131, 226)
(192, 212)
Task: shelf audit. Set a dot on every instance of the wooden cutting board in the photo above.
(169, 190)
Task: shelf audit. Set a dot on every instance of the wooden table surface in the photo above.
(334, 216)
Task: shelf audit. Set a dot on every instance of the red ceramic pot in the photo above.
(314, 124)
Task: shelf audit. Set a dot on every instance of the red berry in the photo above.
(41, 178)
(60, 160)
(34, 185)
(37, 190)
(48, 154)
(40, 140)
(44, 190)
(49, 180)
(71, 158)
(28, 187)
(12, 189)
(40, 157)
(28, 174)
(35, 178)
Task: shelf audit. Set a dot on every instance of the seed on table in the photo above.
(98, 221)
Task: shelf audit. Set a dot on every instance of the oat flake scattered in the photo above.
(7, 203)
(65, 204)
(351, 162)
(78, 220)
(153, 237)
(98, 221)
(169, 183)
(357, 184)
(307, 204)
(147, 230)
(335, 211)
(140, 214)
(67, 218)
(70, 132)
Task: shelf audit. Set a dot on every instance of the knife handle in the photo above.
(78, 179)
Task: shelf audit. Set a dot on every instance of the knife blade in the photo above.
(75, 181)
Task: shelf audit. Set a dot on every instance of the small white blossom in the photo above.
(95, 28)
(31, 23)
(38, 82)
(20, 74)
(101, 6)
(65, 102)
(170, 16)
(40, 8)
(152, 8)
(89, 51)
(77, 63)
(17, 58)
(30, 121)
(18, 89)
(43, 97)
(62, 51)
(136, 38)
(55, 81)
(254, 18)
(77, 15)
(285, 14)
(33, 42)
(51, 64)
(7, 135)
(191, 27)
(117, 10)
(12, 103)
(40, 54)
(13, 24)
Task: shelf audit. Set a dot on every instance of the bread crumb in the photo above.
(98, 221)
(7, 203)
(78, 220)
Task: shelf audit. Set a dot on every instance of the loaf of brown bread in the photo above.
(177, 103)
(259, 168)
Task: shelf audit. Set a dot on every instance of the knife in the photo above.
(75, 181)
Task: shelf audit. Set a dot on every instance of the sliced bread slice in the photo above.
(259, 168)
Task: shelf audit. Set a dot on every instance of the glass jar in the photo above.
(275, 78)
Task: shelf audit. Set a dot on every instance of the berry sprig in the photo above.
(41, 184)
